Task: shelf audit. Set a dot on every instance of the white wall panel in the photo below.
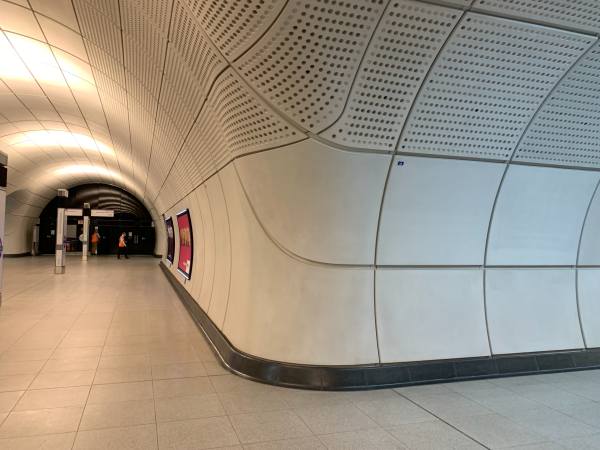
(430, 314)
(437, 211)
(318, 202)
(588, 290)
(538, 216)
(209, 256)
(532, 310)
(287, 310)
(221, 227)
(589, 247)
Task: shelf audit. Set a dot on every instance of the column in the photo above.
(61, 231)
(86, 231)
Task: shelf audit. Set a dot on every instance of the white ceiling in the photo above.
(156, 95)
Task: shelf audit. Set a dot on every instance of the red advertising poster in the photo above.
(170, 240)
(186, 244)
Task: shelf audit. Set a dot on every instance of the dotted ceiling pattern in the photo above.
(305, 64)
(175, 89)
(566, 131)
(403, 48)
(577, 14)
(486, 85)
(234, 25)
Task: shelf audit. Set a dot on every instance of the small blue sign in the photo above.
(400, 163)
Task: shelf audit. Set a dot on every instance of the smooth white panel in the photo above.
(589, 250)
(284, 309)
(538, 216)
(221, 221)
(437, 211)
(532, 310)
(209, 249)
(316, 201)
(588, 286)
(430, 314)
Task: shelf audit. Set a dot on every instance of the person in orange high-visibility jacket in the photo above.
(122, 248)
(94, 239)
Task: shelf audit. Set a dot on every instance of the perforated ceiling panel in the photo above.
(577, 14)
(396, 63)
(486, 85)
(246, 123)
(305, 64)
(233, 25)
(567, 129)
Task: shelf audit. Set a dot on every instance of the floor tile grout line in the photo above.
(442, 420)
(93, 379)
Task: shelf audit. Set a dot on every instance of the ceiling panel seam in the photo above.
(85, 45)
(45, 95)
(474, 8)
(83, 116)
(358, 67)
(162, 77)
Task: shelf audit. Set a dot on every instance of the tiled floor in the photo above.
(105, 357)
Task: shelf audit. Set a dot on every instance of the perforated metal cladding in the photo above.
(191, 67)
(306, 62)
(246, 123)
(144, 44)
(578, 14)
(400, 53)
(566, 131)
(103, 31)
(234, 25)
(486, 85)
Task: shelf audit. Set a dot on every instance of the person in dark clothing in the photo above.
(122, 248)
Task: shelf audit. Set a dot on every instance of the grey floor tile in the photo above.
(304, 443)
(375, 438)
(496, 431)
(581, 443)
(251, 401)
(432, 435)
(15, 382)
(53, 398)
(335, 419)
(119, 414)
(268, 426)
(63, 441)
(182, 387)
(40, 421)
(8, 400)
(123, 375)
(47, 380)
(394, 411)
(178, 370)
(121, 392)
(552, 424)
(189, 407)
(141, 437)
(196, 434)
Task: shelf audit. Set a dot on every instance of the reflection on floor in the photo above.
(105, 357)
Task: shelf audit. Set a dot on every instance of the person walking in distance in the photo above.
(94, 239)
(122, 249)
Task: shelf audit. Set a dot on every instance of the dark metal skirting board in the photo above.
(17, 255)
(378, 375)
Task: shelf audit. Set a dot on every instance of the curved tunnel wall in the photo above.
(375, 181)
(466, 241)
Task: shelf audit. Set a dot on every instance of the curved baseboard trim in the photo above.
(17, 255)
(378, 375)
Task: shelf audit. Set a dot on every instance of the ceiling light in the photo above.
(57, 138)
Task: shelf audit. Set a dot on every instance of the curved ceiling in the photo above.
(157, 95)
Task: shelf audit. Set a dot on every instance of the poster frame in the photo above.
(181, 213)
(171, 254)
